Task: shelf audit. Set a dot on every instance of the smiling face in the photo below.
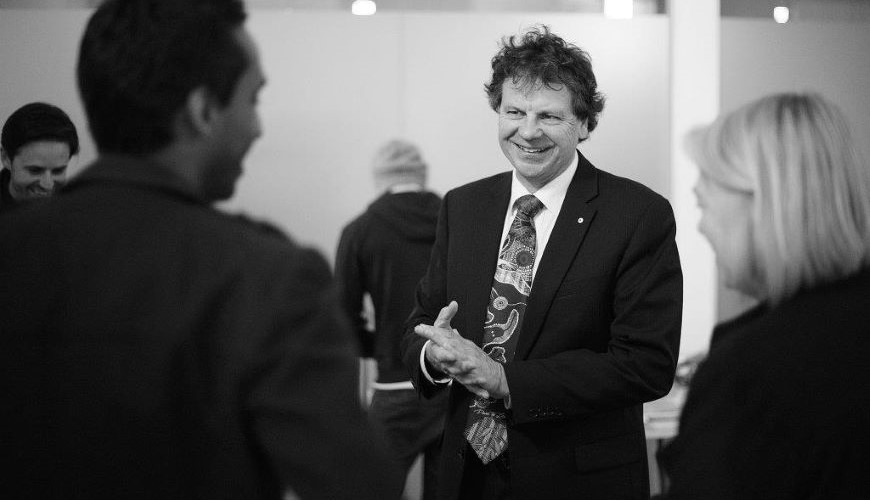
(38, 169)
(537, 131)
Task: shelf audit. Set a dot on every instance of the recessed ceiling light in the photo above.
(363, 7)
(780, 14)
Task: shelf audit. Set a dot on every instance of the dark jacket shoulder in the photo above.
(485, 185)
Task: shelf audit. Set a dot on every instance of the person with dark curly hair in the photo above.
(37, 143)
(551, 307)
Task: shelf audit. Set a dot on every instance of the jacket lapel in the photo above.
(482, 247)
(568, 232)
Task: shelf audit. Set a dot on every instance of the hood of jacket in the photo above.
(413, 214)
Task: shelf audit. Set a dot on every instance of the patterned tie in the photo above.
(486, 429)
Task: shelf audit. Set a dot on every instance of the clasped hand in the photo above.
(461, 359)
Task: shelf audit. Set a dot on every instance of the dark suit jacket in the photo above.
(600, 334)
(153, 347)
(780, 409)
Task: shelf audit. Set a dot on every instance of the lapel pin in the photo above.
(580, 220)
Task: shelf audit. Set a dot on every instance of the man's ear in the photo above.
(584, 129)
(199, 112)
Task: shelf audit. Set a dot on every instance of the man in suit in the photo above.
(382, 254)
(36, 145)
(153, 347)
(551, 342)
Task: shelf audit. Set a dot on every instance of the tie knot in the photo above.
(529, 205)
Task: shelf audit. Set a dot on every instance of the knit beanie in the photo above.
(398, 157)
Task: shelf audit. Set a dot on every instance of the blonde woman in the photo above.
(781, 406)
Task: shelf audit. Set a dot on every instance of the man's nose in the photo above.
(529, 128)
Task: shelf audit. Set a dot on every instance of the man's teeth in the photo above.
(530, 150)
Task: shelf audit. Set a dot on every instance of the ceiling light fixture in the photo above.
(780, 14)
(619, 9)
(363, 7)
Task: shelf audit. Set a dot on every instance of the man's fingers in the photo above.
(441, 355)
(436, 335)
(468, 366)
(476, 390)
(445, 316)
(440, 332)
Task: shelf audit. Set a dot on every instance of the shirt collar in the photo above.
(551, 194)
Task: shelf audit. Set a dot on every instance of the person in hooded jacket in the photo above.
(383, 253)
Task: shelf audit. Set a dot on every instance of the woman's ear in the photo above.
(6, 161)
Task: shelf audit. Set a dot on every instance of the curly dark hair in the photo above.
(541, 57)
(140, 59)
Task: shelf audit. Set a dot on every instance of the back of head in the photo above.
(140, 59)
(38, 121)
(542, 57)
(810, 188)
(398, 161)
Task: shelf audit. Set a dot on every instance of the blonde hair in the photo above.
(810, 188)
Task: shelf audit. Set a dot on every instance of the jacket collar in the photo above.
(134, 172)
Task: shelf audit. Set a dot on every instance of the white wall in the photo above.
(339, 86)
(761, 57)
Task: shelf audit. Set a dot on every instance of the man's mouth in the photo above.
(531, 150)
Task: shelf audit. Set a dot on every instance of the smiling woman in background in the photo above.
(36, 145)
(781, 406)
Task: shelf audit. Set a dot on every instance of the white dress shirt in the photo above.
(552, 195)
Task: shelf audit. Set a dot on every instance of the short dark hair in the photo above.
(541, 56)
(38, 121)
(140, 59)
